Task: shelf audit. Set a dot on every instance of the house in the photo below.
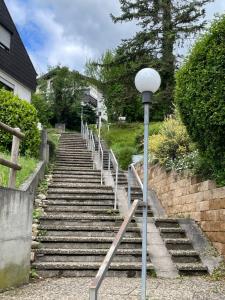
(92, 96)
(17, 72)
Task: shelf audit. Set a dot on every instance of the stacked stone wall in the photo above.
(190, 197)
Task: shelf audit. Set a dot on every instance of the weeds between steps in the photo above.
(37, 213)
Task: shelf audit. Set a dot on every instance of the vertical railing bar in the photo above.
(129, 187)
(14, 159)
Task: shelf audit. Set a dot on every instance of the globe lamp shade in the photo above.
(147, 80)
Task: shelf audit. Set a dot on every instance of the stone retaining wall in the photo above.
(190, 197)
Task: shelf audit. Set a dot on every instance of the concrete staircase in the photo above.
(79, 223)
(186, 259)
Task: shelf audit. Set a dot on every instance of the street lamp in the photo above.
(147, 82)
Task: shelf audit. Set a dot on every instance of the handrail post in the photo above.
(129, 186)
(14, 159)
(101, 164)
(93, 294)
(116, 186)
(109, 162)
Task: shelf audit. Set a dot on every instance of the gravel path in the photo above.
(120, 288)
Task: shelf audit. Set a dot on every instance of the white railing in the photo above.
(132, 173)
(113, 160)
(101, 160)
(96, 282)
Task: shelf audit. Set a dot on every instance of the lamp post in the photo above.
(147, 82)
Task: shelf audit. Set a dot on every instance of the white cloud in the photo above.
(70, 31)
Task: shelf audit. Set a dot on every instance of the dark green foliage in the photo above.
(163, 24)
(125, 156)
(64, 98)
(200, 94)
(19, 113)
(117, 84)
(43, 107)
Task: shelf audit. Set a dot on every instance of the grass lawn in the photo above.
(28, 166)
(127, 139)
(53, 136)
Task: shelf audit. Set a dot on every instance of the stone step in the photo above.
(184, 256)
(130, 228)
(74, 168)
(178, 244)
(86, 210)
(84, 257)
(172, 232)
(74, 156)
(87, 162)
(76, 172)
(77, 185)
(73, 159)
(81, 219)
(90, 233)
(86, 242)
(74, 190)
(81, 152)
(86, 269)
(88, 255)
(78, 180)
(107, 204)
(166, 223)
(196, 269)
(79, 197)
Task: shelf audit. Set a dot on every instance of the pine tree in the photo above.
(164, 24)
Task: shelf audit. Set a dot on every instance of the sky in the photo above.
(70, 32)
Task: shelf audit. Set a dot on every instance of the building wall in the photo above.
(20, 90)
(192, 198)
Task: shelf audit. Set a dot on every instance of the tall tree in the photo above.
(116, 82)
(164, 24)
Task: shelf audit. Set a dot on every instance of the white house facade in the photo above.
(17, 72)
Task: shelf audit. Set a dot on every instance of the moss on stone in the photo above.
(13, 275)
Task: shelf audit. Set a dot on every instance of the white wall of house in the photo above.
(19, 89)
(95, 93)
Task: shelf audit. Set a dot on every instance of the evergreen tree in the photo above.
(164, 24)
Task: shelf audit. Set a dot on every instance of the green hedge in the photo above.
(19, 113)
(200, 97)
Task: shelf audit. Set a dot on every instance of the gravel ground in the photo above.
(120, 288)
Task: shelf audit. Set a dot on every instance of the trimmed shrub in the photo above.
(200, 97)
(19, 113)
(171, 143)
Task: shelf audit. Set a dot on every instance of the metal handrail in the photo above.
(96, 283)
(132, 171)
(92, 146)
(101, 158)
(112, 158)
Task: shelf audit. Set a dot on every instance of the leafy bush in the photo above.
(171, 143)
(43, 107)
(19, 113)
(200, 94)
(124, 155)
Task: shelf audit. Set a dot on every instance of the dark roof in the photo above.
(16, 62)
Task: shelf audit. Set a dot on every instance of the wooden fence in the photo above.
(13, 164)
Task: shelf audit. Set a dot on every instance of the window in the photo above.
(5, 38)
